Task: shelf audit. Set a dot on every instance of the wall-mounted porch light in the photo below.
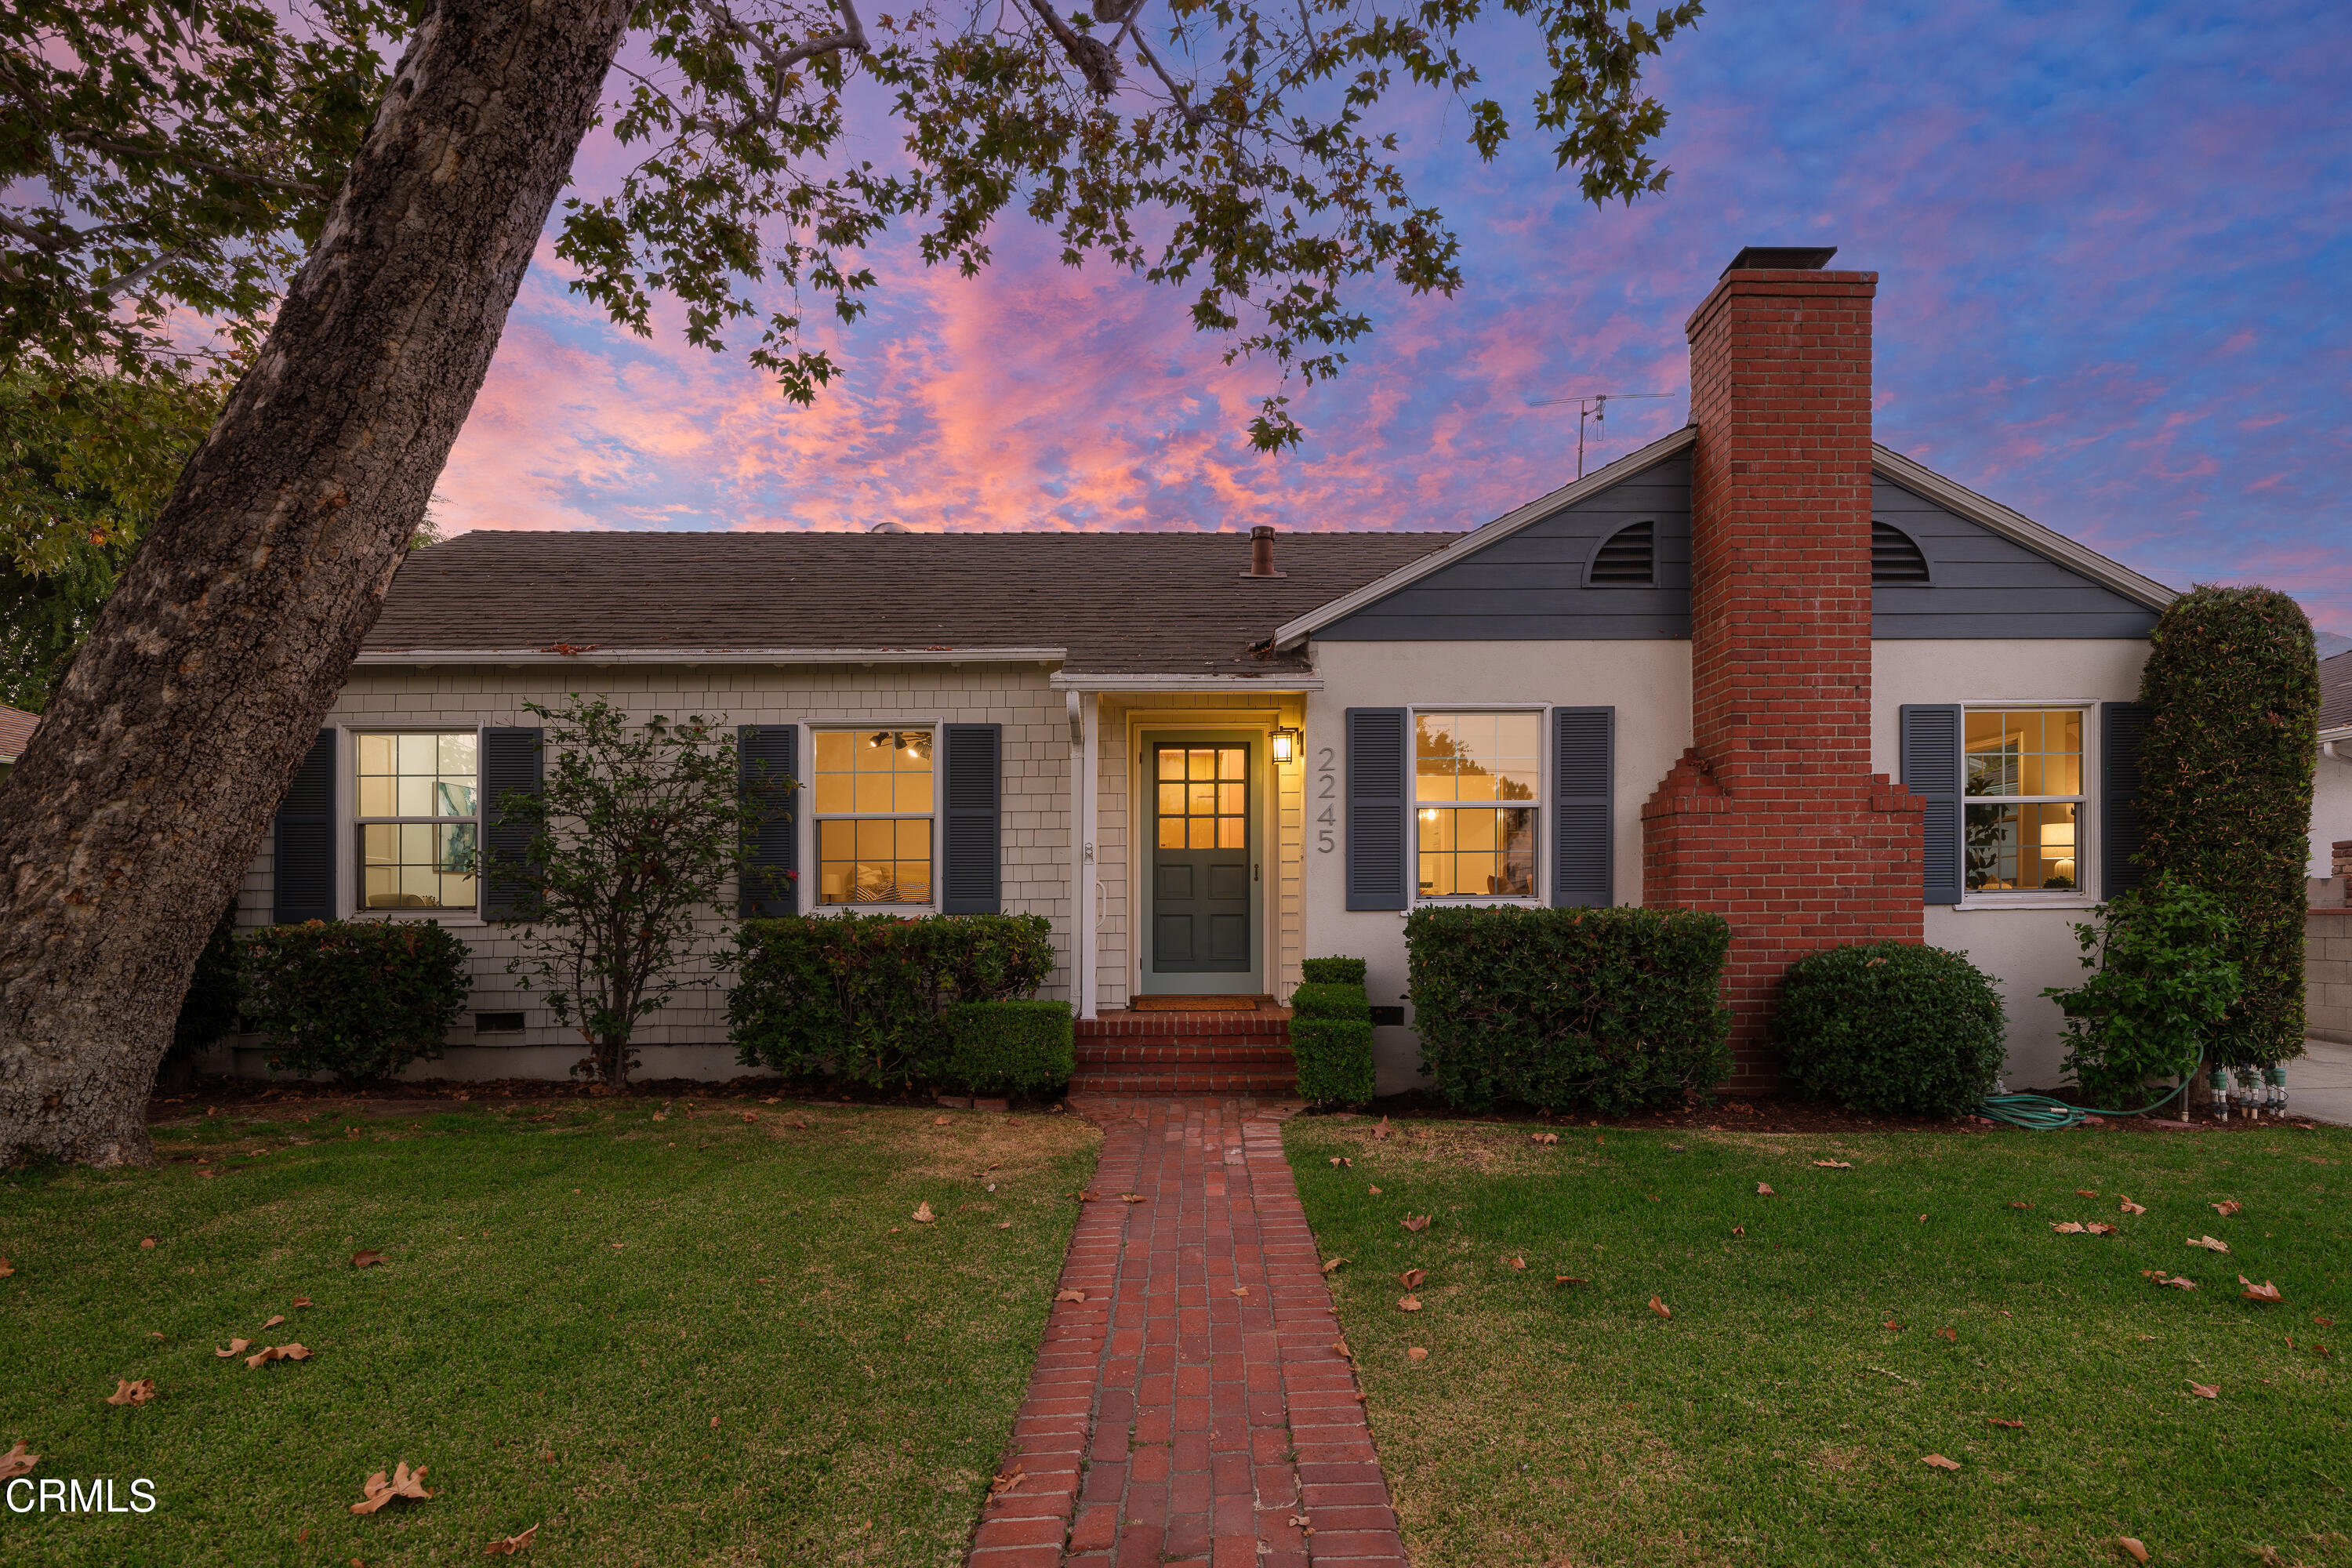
(1285, 745)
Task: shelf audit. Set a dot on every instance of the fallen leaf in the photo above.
(147, 1241)
(1130, 1197)
(16, 1462)
(2227, 1207)
(1411, 1278)
(153, 1335)
(2085, 1192)
(2178, 1282)
(512, 1546)
(1763, 1190)
(714, 1420)
(2069, 1228)
(1005, 1224)
(2325, 1323)
(1543, 1137)
(236, 1347)
(1409, 1303)
(2206, 1390)
(276, 1352)
(1997, 1421)
(1298, 1521)
(6, 1267)
(2208, 1244)
(1416, 1221)
(1519, 1263)
(1341, 1346)
(1835, 1164)
(1568, 1279)
(2130, 1207)
(935, 1120)
(1341, 1160)
(368, 1259)
(304, 1302)
(1952, 1334)
(1070, 1295)
(274, 1322)
(2096, 1228)
(1940, 1462)
(1661, 1307)
(2130, 1547)
(747, 1116)
(923, 1213)
(1333, 1265)
(1416, 1354)
(405, 1482)
(1374, 1191)
(1382, 1130)
(2265, 1291)
(1241, 1290)
(661, 1116)
(1006, 1481)
(1891, 1323)
(1740, 1230)
(128, 1393)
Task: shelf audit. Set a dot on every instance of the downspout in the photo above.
(1084, 880)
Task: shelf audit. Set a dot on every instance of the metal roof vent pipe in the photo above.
(1262, 553)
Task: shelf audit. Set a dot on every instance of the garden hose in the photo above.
(2040, 1113)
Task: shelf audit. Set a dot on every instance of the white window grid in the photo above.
(1538, 881)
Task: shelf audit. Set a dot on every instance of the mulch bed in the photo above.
(251, 1094)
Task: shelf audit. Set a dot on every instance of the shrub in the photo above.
(209, 1009)
(1329, 999)
(1890, 1028)
(858, 997)
(1332, 972)
(2233, 685)
(1332, 1033)
(1600, 1009)
(360, 999)
(2162, 982)
(1021, 1048)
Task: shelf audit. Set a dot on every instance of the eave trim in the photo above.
(591, 655)
(1289, 681)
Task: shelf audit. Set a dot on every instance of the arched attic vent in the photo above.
(1627, 559)
(1895, 559)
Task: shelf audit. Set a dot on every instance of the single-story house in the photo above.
(2327, 925)
(1762, 666)
(15, 734)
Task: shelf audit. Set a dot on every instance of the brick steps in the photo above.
(1185, 1053)
(1183, 1081)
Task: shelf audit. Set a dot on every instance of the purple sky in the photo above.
(2114, 244)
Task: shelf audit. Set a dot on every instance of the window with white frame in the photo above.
(418, 819)
(2023, 780)
(1477, 787)
(873, 801)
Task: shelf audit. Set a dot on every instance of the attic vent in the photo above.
(1894, 558)
(1629, 560)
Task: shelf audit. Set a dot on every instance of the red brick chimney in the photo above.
(1773, 818)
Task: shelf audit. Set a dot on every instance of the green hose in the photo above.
(2040, 1113)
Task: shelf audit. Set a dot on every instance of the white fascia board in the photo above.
(596, 655)
(1284, 683)
(2019, 529)
(2340, 733)
(1503, 527)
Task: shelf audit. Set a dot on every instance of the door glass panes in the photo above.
(1203, 797)
(418, 820)
(2024, 783)
(1465, 845)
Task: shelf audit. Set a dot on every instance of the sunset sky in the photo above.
(2114, 244)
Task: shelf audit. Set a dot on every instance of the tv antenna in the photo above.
(1592, 405)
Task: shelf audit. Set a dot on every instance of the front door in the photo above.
(1203, 868)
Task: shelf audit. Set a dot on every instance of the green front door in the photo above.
(1201, 866)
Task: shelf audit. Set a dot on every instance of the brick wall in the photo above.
(1773, 818)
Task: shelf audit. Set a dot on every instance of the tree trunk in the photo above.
(132, 815)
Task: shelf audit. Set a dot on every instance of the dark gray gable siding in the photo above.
(1529, 585)
(1982, 586)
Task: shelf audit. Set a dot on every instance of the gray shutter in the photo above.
(511, 765)
(302, 857)
(1583, 748)
(769, 753)
(1380, 808)
(1931, 769)
(2123, 736)
(974, 882)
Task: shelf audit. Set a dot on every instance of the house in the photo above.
(2327, 923)
(16, 734)
(1762, 666)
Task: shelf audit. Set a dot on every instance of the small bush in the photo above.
(2164, 978)
(1332, 1033)
(1018, 1047)
(1327, 999)
(858, 997)
(360, 999)
(209, 1009)
(1608, 1009)
(1332, 972)
(1890, 1028)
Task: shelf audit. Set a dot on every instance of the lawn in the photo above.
(710, 1332)
(1781, 1414)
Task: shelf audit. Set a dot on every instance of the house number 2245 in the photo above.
(1327, 801)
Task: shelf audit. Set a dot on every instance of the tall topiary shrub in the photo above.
(2232, 686)
(1332, 1033)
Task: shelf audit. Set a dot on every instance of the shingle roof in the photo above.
(2336, 691)
(16, 730)
(1120, 603)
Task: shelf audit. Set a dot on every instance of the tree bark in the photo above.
(131, 819)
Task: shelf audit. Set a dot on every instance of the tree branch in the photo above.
(1095, 62)
(850, 39)
(131, 150)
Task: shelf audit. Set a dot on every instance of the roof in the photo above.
(2335, 692)
(16, 731)
(1108, 604)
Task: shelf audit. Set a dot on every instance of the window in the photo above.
(2023, 780)
(872, 810)
(1469, 845)
(418, 820)
(1204, 797)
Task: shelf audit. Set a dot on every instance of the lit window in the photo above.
(2025, 786)
(418, 820)
(872, 810)
(1468, 844)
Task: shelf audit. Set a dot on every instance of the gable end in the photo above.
(1984, 585)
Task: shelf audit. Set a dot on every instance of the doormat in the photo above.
(1193, 1004)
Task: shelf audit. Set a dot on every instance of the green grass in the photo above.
(1774, 1420)
(862, 1368)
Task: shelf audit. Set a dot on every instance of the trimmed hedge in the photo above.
(209, 1009)
(859, 996)
(1332, 1033)
(1595, 1010)
(360, 999)
(1332, 972)
(1327, 999)
(2232, 683)
(1891, 1028)
(1019, 1047)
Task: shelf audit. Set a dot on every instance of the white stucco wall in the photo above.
(1647, 682)
(2023, 949)
(2331, 805)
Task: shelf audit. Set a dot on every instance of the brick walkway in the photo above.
(1171, 1420)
